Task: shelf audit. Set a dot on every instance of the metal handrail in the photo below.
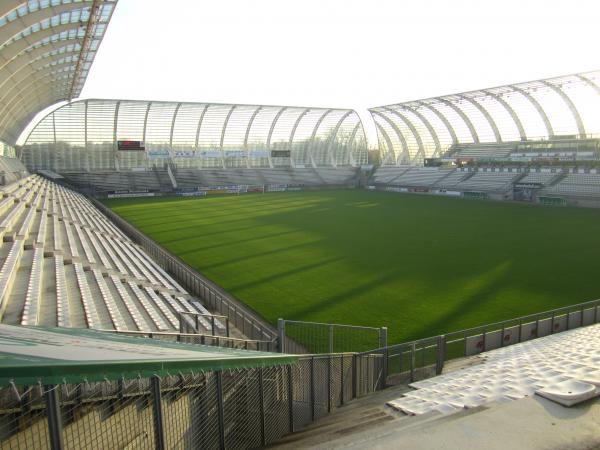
(212, 317)
(498, 325)
(332, 324)
(203, 337)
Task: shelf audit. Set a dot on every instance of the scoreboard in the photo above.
(131, 145)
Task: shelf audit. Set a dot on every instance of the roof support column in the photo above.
(464, 117)
(333, 138)
(254, 114)
(413, 130)
(198, 133)
(277, 116)
(537, 107)
(514, 116)
(311, 142)
(405, 152)
(432, 132)
(115, 148)
(292, 134)
(570, 105)
(487, 116)
(223, 130)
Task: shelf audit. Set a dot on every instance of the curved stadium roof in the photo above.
(46, 50)
(84, 135)
(544, 109)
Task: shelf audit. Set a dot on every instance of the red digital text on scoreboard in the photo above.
(131, 145)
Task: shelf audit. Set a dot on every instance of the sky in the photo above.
(337, 53)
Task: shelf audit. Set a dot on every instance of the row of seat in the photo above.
(510, 373)
(77, 269)
(158, 180)
(482, 150)
(282, 175)
(487, 181)
(576, 184)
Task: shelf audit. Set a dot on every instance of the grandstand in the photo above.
(66, 265)
(109, 340)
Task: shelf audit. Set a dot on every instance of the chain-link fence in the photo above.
(243, 408)
(424, 358)
(312, 337)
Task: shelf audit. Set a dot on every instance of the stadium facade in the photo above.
(543, 110)
(89, 135)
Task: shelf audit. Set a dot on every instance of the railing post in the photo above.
(384, 342)
(54, 417)
(329, 361)
(220, 410)
(157, 413)
(354, 377)
(261, 395)
(312, 389)
(291, 397)
(441, 354)
(330, 347)
(342, 381)
(212, 325)
(281, 335)
(227, 326)
(413, 351)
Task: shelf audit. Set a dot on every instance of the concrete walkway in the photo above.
(528, 424)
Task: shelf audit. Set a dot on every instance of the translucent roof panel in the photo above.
(195, 135)
(543, 109)
(46, 51)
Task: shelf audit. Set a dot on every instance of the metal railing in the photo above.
(300, 337)
(196, 319)
(202, 339)
(213, 297)
(241, 408)
(424, 358)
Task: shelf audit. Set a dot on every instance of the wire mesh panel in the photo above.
(321, 386)
(242, 409)
(190, 411)
(313, 337)
(369, 373)
(276, 402)
(234, 408)
(107, 415)
(302, 393)
(23, 420)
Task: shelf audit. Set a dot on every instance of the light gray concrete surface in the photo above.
(532, 423)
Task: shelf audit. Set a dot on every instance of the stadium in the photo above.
(181, 274)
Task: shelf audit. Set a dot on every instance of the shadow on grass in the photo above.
(228, 243)
(279, 275)
(478, 291)
(253, 255)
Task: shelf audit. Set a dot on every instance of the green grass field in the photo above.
(420, 265)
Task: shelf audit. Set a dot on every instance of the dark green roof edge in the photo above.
(26, 370)
(55, 372)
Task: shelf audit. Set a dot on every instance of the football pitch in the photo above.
(420, 265)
